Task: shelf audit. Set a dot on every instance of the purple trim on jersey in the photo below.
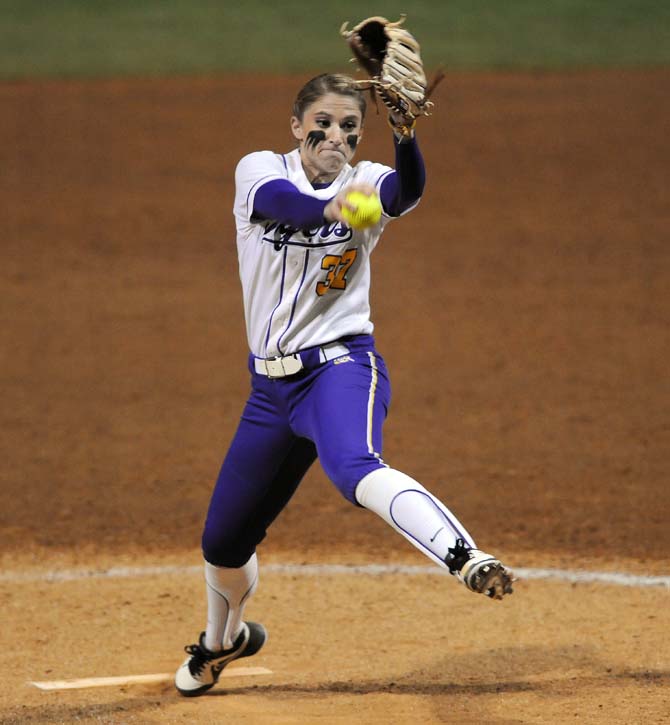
(281, 295)
(383, 175)
(295, 301)
(283, 158)
(379, 184)
(279, 200)
(403, 188)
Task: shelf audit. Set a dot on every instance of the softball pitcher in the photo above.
(319, 387)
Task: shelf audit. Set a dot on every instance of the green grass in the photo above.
(146, 37)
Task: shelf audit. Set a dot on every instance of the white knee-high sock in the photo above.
(412, 511)
(227, 592)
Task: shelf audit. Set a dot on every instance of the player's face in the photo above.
(328, 133)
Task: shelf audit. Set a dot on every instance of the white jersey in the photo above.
(302, 287)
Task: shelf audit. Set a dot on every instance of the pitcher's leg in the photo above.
(413, 512)
(344, 415)
(346, 419)
(256, 481)
(229, 587)
(263, 467)
(430, 526)
(228, 590)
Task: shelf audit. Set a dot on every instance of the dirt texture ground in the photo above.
(524, 313)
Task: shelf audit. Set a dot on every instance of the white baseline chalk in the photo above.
(566, 575)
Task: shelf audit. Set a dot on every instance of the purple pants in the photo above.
(334, 410)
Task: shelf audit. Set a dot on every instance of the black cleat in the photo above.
(201, 669)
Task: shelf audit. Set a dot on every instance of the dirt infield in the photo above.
(523, 311)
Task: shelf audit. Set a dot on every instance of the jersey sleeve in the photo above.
(252, 172)
(369, 172)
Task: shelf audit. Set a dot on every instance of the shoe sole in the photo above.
(257, 638)
(491, 579)
(196, 692)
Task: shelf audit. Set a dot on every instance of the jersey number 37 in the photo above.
(337, 267)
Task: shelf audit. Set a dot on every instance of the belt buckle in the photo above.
(274, 367)
(282, 367)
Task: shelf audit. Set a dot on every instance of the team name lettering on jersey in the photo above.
(281, 234)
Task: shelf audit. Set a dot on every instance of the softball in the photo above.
(368, 210)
